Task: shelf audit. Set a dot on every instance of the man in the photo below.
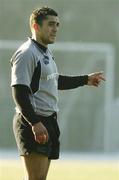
(35, 84)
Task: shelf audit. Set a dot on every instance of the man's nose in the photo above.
(55, 28)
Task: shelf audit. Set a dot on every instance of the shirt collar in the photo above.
(43, 48)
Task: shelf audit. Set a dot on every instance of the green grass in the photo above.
(70, 170)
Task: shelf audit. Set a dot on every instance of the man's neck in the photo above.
(37, 39)
(44, 49)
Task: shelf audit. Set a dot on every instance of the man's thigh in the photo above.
(36, 165)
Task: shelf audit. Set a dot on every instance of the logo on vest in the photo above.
(46, 60)
(52, 76)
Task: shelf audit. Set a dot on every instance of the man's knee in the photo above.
(37, 176)
(36, 166)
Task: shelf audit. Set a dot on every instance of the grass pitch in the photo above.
(60, 170)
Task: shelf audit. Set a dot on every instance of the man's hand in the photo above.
(40, 133)
(94, 79)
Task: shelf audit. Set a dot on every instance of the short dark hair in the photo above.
(39, 14)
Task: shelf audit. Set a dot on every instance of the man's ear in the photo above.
(36, 27)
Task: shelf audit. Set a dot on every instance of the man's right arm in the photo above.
(20, 95)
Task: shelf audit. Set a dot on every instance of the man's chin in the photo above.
(51, 42)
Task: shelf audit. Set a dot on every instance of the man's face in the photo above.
(48, 30)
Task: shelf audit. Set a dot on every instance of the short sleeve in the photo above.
(22, 68)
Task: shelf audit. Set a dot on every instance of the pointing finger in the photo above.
(101, 77)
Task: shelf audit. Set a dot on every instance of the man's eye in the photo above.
(57, 24)
(54, 24)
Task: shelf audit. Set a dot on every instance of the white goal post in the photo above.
(105, 48)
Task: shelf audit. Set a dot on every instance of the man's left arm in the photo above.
(71, 82)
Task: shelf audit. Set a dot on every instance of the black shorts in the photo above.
(25, 138)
